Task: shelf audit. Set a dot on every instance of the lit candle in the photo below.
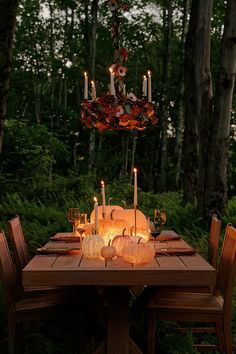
(85, 86)
(96, 214)
(149, 87)
(124, 90)
(93, 91)
(135, 188)
(144, 86)
(112, 83)
(103, 199)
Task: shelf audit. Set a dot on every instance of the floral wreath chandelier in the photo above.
(118, 110)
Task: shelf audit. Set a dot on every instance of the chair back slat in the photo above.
(8, 274)
(21, 253)
(214, 241)
(227, 266)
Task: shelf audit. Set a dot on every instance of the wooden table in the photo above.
(65, 270)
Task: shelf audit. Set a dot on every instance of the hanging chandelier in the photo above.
(118, 110)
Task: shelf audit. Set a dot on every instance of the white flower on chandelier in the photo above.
(131, 97)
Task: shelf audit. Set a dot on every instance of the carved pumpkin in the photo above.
(92, 245)
(120, 241)
(108, 252)
(108, 210)
(138, 253)
(109, 228)
(129, 216)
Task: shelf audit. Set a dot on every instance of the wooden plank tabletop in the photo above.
(60, 270)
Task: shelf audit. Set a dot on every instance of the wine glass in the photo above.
(80, 226)
(159, 221)
(73, 215)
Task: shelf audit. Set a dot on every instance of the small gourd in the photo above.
(92, 245)
(108, 252)
(138, 253)
(120, 241)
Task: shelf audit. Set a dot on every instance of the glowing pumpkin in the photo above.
(138, 253)
(129, 216)
(120, 241)
(108, 210)
(109, 228)
(108, 252)
(143, 233)
(92, 246)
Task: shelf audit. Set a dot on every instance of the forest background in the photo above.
(49, 161)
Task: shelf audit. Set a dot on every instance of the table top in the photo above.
(63, 270)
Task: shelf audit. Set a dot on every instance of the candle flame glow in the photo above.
(149, 73)
(135, 170)
(102, 183)
(110, 69)
(95, 199)
(92, 82)
(144, 76)
(85, 74)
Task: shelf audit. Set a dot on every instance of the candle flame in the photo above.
(135, 170)
(85, 74)
(95, 199)
(102, 183)
(110, 69)
(92, 83)
(144, 76)
(149, 73)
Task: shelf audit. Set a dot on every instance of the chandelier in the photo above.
(118, 110)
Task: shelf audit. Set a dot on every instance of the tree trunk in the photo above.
(216, 183)
(8, 10)
(166, 79)
(92, 61)
(198, 98)
(181, 106)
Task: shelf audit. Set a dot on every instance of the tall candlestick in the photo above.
(85, 86)
(144, 86)
(135, 188)
(93, 91)
(149, 87)
(96, 214)
(112, 83)
(103, 199)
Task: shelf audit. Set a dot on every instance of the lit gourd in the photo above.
(109, 228)
(108, 210)
(108, 252)
(129, 216)
(92, 245)
(143, 233)
(138, 253)
(120, 241)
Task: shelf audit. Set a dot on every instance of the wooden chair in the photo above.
(24, 309)
(213, 249)
(21, 253)
(209, 308)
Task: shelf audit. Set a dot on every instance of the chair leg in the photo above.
(11, 334)
(151, 327)
(220, 336)
(227, 335)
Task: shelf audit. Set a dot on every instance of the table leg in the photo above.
(118, 320)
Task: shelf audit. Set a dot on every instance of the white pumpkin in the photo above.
(138, 253)
(92, 246)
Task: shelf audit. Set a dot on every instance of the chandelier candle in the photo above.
(149, 87)
(144, 86)
(112, 83)
(93, 91)
(85, 86)
(103, 199)
(96, 214)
